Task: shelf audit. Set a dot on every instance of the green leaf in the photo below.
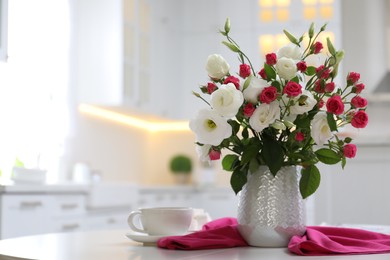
(235, 126)
(331, 121)
(231, 46)
(271, 74)
(343, 162)
(273, 155)
(327, 156)
(295, 79)
(253, 165)
(310, 71)
(238, 180)
(276, 84)
(18, 163)
(251, 151)
(302, 121)
(348, 140)
(229, 161)
(310, 181)
(245, 133)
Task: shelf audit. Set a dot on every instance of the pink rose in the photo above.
(262, 74)
(358, 102)
(249, 109)
(358, 88)
(211, 87)
(349, 150)
(245, 70)
(214, 154)
(353, 77)
(301, 66)
(299, 137)
(359, 119)
(234, 80)
(329, 87)
(335, 105)
(292, 89)
(317, 47)
(270, 59)
(268, 94)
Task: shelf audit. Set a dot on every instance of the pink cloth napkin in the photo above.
(320, 240)
(220, 233)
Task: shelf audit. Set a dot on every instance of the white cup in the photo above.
(162, 221)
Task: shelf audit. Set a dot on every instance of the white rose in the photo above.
(203, 152)
(315, 60)
(286, 68)
(252, 92)
(290, 51)
(209, 127)
(217, 67)
(303, 103)
(226, 100)
(264, 115)
(320, 130)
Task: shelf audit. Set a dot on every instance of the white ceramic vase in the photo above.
(271, 209)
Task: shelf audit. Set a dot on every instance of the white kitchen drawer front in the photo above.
(68, 224)
(68, 205)
(107, 221)
(25, 215)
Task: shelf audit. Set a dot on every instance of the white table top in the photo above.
(99, 245)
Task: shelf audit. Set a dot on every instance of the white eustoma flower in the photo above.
(320, 130)
(291, 51)
(264, 115)
(227, 100)
(252, 92)
(217, 67)
(315, 60)
(203, 152)
(303, 103)
(209, 127)
(286, 68)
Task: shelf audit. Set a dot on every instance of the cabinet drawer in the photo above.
(68, 224)
(67, 205)
(24, 215)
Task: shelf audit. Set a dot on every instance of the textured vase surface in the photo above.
(271, 209)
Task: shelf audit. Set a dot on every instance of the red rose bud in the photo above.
(299, 137)
(214, 155)
(211, 87)
(301, 66)
(358, 102)
(358, 88)
(270, 59)
(329, 87)
(322, 72)
(321, 103)
(317, 47)
(319, 87)
(249, 109)
(349, 150)
(262, 74)
(268, 94)
(245, 70)
(292, 89)
(360, 119)
(335, 105)
(234, 80)
(353, 77)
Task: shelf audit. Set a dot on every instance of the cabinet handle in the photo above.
(69, 227)
(69, 206)
(111, 221)
(30, 204)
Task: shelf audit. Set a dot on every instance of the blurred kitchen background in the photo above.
(98, 94)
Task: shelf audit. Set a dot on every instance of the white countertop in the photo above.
(101, 245)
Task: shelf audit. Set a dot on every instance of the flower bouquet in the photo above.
(286, 113)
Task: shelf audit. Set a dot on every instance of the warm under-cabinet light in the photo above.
(133, 121)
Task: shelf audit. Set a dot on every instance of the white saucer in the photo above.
(145, 238)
